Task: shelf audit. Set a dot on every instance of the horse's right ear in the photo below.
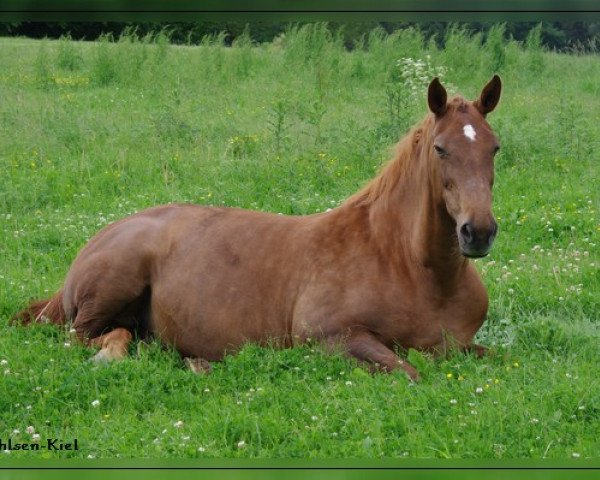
(436, 97)
(490, 96)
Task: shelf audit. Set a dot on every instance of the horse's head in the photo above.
(463, 147)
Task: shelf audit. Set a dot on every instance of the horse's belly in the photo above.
(201, 322)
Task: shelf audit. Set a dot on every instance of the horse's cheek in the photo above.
(452, 199)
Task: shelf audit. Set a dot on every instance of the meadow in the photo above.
(91, 132)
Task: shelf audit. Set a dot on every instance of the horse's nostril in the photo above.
(466, 231)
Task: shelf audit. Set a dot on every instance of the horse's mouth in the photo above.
(471, 252)
(475, 255)
(477, 249)
(474, 251)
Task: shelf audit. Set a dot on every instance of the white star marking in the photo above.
(469, 132)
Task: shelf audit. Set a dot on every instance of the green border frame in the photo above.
(294, 10)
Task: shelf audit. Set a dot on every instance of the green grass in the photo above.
(94, 131)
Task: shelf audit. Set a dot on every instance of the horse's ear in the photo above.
(436, 97)
(490, 95)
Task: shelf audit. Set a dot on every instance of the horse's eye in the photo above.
(440, 151)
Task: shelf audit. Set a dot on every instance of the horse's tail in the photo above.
(50, 310)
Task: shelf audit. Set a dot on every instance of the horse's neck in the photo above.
(412, 224)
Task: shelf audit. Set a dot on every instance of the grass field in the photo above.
(91, 132)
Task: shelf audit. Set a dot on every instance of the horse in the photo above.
(386, 271)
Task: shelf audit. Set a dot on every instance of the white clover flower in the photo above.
(479, 390)
(241, 444)
(35, 437)
(178, 424)
(30, 429)
(453, 401)
(95, 403)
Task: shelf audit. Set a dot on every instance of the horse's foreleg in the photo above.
(113, 345)
(366, 347)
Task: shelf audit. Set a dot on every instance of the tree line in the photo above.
(554, 35)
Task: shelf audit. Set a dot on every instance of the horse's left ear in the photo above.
(436, 97)
(490, 95)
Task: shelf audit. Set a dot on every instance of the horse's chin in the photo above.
(473, 253)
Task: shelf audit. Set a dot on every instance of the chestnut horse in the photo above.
(387, 268)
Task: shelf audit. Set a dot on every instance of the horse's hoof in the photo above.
(413, 376)
(101, 357)
(108, 355)
(479, 350)
(410, 371)
(198, 365)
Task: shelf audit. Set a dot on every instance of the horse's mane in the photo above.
(404, 158)
(406, 155)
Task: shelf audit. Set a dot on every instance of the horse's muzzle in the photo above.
(476, 242)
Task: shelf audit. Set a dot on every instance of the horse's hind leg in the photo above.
(113, 345)
(105, 325)
(107, 297)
